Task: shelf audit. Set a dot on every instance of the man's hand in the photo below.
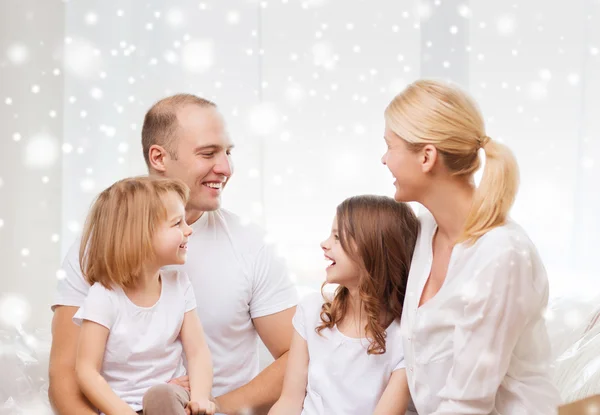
(183, 381)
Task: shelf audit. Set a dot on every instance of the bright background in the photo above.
(303, 86)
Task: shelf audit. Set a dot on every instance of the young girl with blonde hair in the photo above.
(139, 318)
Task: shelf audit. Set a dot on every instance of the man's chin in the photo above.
(205, 206)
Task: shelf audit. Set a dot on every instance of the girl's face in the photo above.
(342, 269)
(171, 236)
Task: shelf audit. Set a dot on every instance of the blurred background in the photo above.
(302, 85)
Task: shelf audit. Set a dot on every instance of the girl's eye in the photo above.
(178, 223)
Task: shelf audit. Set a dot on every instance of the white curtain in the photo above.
(303, 86)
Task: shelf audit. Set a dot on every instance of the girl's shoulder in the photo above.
(311, 302)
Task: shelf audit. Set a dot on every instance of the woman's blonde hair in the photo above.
(117, 237)
(437, 113)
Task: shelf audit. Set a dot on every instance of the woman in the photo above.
(474, 335)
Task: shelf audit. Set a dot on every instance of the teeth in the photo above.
(214, 185)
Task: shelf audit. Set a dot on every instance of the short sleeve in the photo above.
(188, 291)
(298, 321)
(272, 289)
(72, 288)
(395, 346)
(399, 362)
(98, 307)
(307, 316)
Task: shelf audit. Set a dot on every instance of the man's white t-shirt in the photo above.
(342, 378)
(236, 277)
(143, 348)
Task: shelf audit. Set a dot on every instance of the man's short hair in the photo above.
(160, 122)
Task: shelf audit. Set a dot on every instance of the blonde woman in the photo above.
(139, 318)
(474, 336)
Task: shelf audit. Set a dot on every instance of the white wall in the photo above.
(303, 85)
(31, 35)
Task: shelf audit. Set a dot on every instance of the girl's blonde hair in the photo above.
(437, 113)
(117, 237)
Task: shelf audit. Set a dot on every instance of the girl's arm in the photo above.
(90, 353)
(295, 381)
(394, 400)
(200, 369)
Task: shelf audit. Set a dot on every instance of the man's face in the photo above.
(203, 156)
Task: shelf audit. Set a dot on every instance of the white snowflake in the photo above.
(91, 18)
(14, 310)
(123, 147)
(175, 17)
(96, 93)
(323, 55)
(233, 17)
(538, 90)
(264, 119)
(464, 11)
(81, 58)
(294, 93)
(198, 56)
(17, 54)
(87, 185)
(545, 74)
(41, 151)
(573, 79)
(506, 25)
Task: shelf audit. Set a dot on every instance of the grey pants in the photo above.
(166, 399)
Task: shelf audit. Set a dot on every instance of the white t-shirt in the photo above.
(480, 345)
(143, 347)
(342, 378)
(236, 277)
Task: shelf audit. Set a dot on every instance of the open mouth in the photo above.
(214, 185)
(183, 246)
(330, 260)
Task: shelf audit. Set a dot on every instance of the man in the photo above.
(242, 287)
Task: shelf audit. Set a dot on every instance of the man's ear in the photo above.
(157, 156)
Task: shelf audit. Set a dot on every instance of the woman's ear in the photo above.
(429, 155)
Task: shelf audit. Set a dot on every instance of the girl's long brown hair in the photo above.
(380, 234)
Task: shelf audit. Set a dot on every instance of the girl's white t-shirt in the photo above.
(342, 378)
(143, 347)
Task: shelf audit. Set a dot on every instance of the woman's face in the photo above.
(405, 165)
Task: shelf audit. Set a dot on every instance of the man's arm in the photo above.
(263, 391)
(64, 393)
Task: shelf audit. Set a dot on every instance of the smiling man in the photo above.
(242, 287)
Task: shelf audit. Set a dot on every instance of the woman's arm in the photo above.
(90, 353)
(200, 369)
(503, 301)
(394, 400)
(295, 381)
